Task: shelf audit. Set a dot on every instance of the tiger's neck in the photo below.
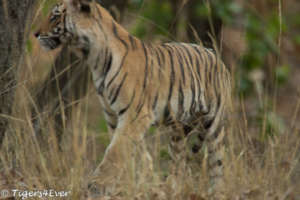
(106, 56)
(118, 39)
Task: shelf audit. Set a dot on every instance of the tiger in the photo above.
(183, 86)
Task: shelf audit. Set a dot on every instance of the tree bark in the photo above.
(202, 25)
(15, 20)
(176, 7)
(60, 90)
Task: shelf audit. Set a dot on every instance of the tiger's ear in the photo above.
(80, 5)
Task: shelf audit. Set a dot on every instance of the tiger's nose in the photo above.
(37, 34)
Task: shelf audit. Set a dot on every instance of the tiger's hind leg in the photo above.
(212, 139)
(187, 141)
(177, 144)
(208, 134)
(214, 142)
(215, 161)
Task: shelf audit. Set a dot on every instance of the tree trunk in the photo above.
(15, 20)
(60, 90)
(176, 8)
(201, 24)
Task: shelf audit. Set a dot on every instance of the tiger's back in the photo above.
(182, 81)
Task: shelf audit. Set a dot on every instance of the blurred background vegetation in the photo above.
(259, 41)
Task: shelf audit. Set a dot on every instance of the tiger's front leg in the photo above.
(126, 153)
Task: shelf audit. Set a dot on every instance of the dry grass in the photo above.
(255, 167)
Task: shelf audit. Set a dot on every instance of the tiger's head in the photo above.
(53, 32)
(64, 23)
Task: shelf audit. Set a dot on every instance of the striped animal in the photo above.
(184, 86)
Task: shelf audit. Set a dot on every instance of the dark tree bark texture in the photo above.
(201, 24)
(15, 20)
(60, 90)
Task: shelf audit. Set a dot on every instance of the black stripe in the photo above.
(162, 56)
(167, 118)
(217, 73)
(132, 42)
(152, 61)
(97, 61)
(107, 65)
(139, 108)
(172, 77)
(122, 111)
(211, 67)
(112, 126)
(197, 82)
(106, 69)
(207, 124)
(180, 102)
(193, 104)
(188, 53)
(161, 60)
(198, 76)
(118, 89)
(181, 65)
(111, 92)
(155, 101)
(142, 96)
(159, 63)
(115, 31)
(105, 56)
(198, 55)
(205, 65)
(158, 57)
(189, 66)
(146, 66)
(124, 57)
